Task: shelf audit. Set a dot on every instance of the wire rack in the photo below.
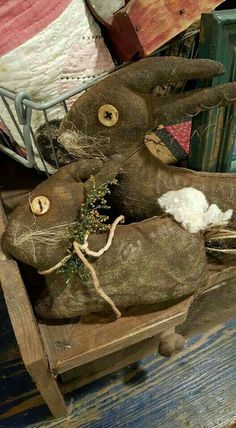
(20, 107)
(20, 113)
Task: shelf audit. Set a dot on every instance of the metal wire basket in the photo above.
(20, 107)
(20, 113)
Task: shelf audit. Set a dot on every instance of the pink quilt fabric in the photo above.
(21, 20)
(48, 47)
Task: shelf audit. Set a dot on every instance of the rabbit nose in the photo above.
(40, 205)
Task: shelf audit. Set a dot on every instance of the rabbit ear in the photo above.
(79, 170)
(147, 73)
(109, 172)
(190, 103)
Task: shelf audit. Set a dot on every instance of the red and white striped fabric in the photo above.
(48, 47)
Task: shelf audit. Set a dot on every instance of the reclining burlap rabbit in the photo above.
(148, 262)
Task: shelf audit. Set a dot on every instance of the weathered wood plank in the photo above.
(24, 407)
(28, 337)
(26, 331)
(194, 389)
(185, 391)
(19, 307)
(55, 338)
(89, 342)
(82, 343)
(21, 314)
(142, 26)
(87, 373)
(214, 306)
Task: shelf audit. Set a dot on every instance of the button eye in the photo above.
(108, 115)
(40, 205)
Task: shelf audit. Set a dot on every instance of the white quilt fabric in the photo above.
(68, 53)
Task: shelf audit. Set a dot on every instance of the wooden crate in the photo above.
(92, 350)
(142, 26)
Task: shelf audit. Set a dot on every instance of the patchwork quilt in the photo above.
(48, 47)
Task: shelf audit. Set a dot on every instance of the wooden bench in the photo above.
(85, 351)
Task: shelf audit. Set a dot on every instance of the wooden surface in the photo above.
(26, 330)
(19, 306)
(196, 389)
(73, 344)
(142, 26)
(20, 313)
(221, 268)
(87, 342)
(28, 336)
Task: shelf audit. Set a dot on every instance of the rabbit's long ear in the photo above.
(80, 170)
(147, 73)
(190, 103)
(109, 172)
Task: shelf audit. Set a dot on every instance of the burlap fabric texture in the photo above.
(149, 262)
(130, 90)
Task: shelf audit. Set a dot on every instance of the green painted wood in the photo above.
(213, 140)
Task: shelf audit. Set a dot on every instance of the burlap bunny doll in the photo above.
(148, 262)
(114, 116)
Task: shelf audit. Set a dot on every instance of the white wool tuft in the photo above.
(190, 208)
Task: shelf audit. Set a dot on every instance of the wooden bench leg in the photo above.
(28, 337)
(48, 388)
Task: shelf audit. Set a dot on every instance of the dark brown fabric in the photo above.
(129, 89)
(148, 262)
(153, 261)
(144, 179)
(40, 240)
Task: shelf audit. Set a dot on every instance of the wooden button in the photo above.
(108, 115)
(40, 205)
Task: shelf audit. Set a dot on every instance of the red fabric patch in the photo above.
(20, 20)
(181, 132)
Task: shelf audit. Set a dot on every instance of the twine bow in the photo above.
(79, 249)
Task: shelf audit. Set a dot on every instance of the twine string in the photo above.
(78, 250)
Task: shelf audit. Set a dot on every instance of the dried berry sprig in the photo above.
(90, 221)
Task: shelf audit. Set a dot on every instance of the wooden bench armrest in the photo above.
(19, 306)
